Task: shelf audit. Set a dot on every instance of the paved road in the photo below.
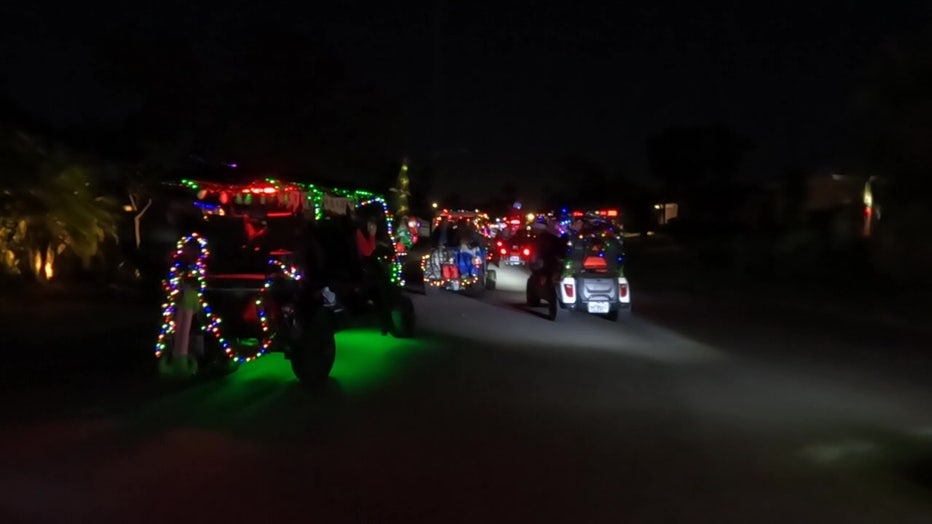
(687, 412)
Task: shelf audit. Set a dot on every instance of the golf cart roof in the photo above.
(276, 197)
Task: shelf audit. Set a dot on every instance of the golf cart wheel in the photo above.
(403, 318)
(220, 367)
(619, 313)
(531, 293)
(490, 277)
(314, 350)
(178, 368)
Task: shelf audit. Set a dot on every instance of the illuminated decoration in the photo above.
(464, 281)
(395, 260)
(446, 280)
(294, 198)
(871, 209)
(268, 191)
(278, 268)
(479, 219)
(403, 191)
(179, 272)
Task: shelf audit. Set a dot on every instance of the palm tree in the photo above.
(49, 207)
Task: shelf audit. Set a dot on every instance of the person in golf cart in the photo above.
(376, 280)
(340, 254)
(550, 248)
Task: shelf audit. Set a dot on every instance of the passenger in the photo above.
(375, 278)
(468, 248)
(550, 250)
(316, 266)
(440, 235)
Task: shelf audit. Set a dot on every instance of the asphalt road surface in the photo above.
(686, 412)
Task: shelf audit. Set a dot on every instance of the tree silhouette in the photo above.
(698, 166)
(896, 109)
(895, 105)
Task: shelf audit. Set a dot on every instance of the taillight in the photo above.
(504, 251)
(595, 263)
(499, 243)
(568, 290)
(527, 251)
(622, 290)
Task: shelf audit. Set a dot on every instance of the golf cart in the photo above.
(459, 258)
(593, 278)
(258, 276)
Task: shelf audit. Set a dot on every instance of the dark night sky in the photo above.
(515, 85)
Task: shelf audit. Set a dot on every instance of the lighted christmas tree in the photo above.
(402, 191)
(403, 234)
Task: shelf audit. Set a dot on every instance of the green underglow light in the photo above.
(365, 359)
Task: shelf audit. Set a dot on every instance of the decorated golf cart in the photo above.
(459, 256)
(272, 267)
(593, 278)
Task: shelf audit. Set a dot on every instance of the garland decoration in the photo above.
(172, 287)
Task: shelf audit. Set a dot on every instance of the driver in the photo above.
(550, 249)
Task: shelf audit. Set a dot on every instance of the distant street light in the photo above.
(434, 205)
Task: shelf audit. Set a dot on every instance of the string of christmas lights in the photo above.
(172, 285)
(289, 272)
(396, 274)
(442, 282)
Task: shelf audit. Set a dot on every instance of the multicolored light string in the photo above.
(172, 286)
(443, 282)
(289, 272)
(396, 275)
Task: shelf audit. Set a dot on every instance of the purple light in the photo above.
(233, 166)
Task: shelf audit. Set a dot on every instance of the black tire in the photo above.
(477, 289)
(531, 293)
(403, 318)
(490, 277)
(552, 304)
(314, 349)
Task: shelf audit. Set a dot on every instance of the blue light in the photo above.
(205, 205)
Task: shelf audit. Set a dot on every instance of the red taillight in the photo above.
(596, 263)
(568, 290)
(622, 290)
(499, 243)
(527, 251)
(504, 251)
